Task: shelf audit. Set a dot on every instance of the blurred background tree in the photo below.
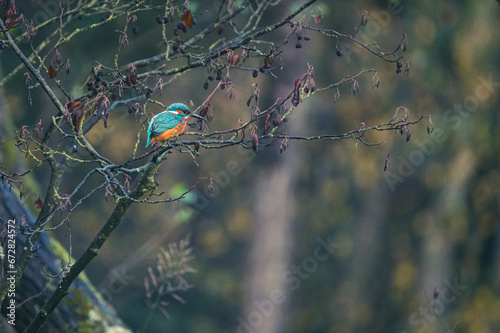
(318, 238)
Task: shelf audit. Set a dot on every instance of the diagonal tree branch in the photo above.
(145, 185)
(32, 69)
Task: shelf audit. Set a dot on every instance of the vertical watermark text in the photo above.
(11, 273)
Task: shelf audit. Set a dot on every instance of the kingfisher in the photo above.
(169, 123)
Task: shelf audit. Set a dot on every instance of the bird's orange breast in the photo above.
(165, 135)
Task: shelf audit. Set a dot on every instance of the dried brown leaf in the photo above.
(188, 18)
(267, 62)
(72, 104)
(52, 72)
(38, 203)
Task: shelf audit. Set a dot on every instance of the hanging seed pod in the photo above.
(267, 125)
(375, 81)
(387, 160)
(435, 294)
(364, 17)
(234, 60)
(255, 143)
(38, 203)
(404, 42)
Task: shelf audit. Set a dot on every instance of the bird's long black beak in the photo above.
(197, 116)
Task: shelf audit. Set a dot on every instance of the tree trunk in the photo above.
(83, 309)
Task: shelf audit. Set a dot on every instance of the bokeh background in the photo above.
(427, 225)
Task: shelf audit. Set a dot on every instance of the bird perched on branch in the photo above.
(169, 123)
